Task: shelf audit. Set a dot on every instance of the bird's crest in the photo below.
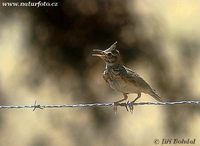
(112, 47)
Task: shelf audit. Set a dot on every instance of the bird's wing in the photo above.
(130, 76)
(134, 78)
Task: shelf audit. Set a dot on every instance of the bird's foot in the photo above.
(125, 105)
(130, 105)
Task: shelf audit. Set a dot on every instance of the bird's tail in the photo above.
(155, 96)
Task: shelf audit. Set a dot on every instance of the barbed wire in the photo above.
(87, 105)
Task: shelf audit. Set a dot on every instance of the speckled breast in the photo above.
(116, 82)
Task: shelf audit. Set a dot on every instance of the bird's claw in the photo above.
(130, 105)
(125, 105)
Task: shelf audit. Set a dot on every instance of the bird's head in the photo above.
(110, 56)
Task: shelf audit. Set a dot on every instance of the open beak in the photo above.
(97, 52)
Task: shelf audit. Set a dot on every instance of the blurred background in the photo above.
(45, 55)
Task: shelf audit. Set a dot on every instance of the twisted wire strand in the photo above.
(87, 105)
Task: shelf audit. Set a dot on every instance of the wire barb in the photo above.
(36, 106)
(87, 105)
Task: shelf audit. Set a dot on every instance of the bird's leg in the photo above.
(117, 102)
(131, 103)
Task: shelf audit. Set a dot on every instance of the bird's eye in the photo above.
(109, 54)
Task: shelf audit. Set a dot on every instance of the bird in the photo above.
(121, 78)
